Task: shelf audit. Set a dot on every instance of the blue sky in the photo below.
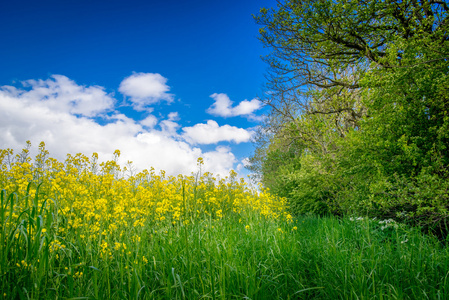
(163, 81)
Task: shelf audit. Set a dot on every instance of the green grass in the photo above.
(230, 258)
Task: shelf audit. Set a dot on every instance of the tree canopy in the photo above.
(359, 97)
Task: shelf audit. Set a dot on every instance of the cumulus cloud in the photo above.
(212, 133)
(150, 121)
(60, 112)
(244, 163)
(60, 94)
(222, 107)
(170, 128)
(173, 116)
(220, 159)
(144, 89)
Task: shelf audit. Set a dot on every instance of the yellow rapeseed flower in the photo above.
(100, 203)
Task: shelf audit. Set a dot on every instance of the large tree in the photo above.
(358, 91)
(329, 45)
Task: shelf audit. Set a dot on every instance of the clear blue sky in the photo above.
(151, 78)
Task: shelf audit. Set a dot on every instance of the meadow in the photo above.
(81, 229)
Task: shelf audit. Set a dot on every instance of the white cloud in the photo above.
(59, 112)
(60, 94)
(149, 121)
(223, 107)
(173, 116)
(222, 159)
(212, 133)
(144, 89)
(169, 127)
(244, 163)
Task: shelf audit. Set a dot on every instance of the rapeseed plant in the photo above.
(54, 213)
(91, 199)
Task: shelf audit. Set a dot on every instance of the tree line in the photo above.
(358, 92)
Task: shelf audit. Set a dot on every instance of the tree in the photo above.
(359, 89)
(322, 48)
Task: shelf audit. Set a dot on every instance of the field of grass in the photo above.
(82, 230)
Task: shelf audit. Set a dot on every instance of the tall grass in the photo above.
(322, 258)
(68, 237)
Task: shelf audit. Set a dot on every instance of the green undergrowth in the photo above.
(230, 258)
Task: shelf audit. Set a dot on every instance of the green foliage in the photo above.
(362, 88)
(307, 194)
(251, 257)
